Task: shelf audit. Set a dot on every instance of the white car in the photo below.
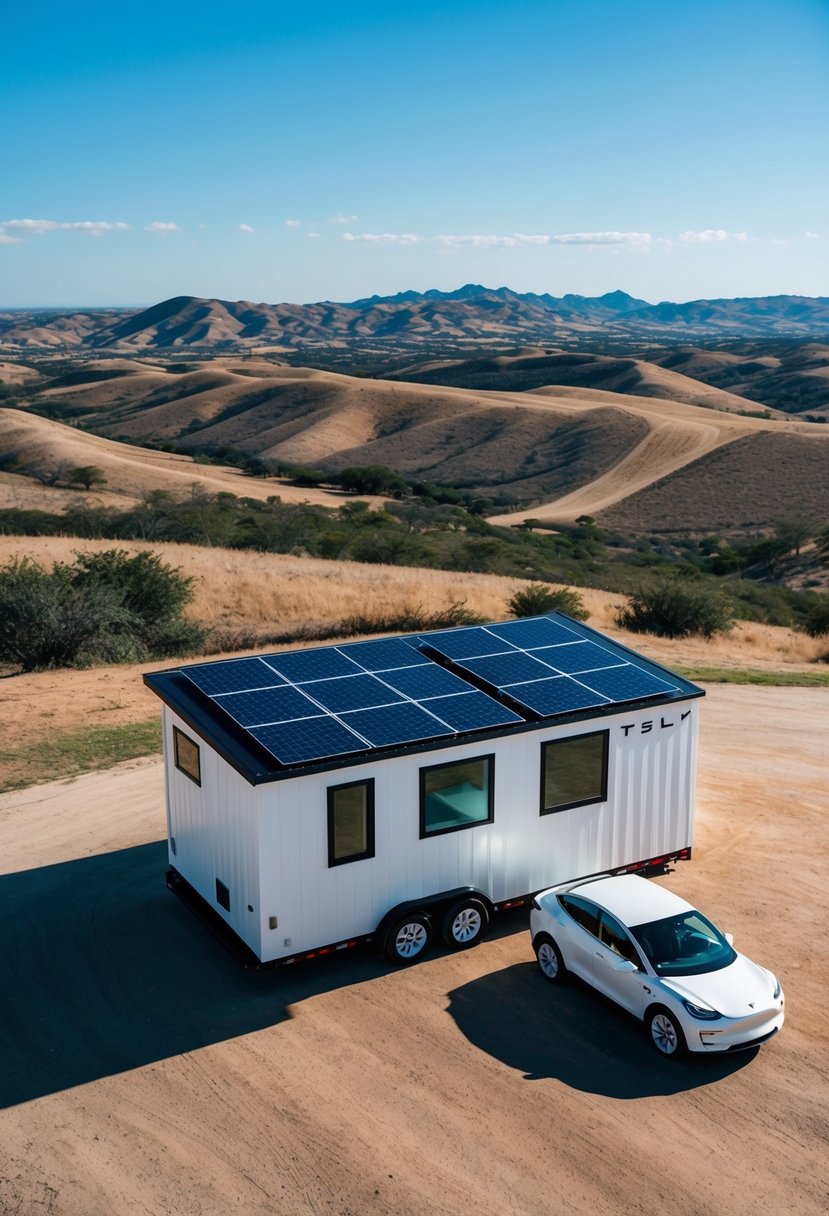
(660, 959)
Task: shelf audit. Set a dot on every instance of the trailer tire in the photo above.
(408, 938)
(464, 923)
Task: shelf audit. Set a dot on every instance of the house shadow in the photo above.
(104, 971)
(571, 1034)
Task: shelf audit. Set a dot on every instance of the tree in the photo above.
(87, 475)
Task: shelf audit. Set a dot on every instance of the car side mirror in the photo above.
(624, 964)
(729, 937)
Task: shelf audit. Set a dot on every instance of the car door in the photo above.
(617, 970)
(582, 935)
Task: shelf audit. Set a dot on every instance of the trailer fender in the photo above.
(433, 907)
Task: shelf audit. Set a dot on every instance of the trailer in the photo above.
(407, 788)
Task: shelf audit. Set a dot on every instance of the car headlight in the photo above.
(698, 1011)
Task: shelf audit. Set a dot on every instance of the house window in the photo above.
(187, 755)
(456, 795)
(350, 822)
(574, 771)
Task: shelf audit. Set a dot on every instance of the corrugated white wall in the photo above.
(215, 828)
(649, 811)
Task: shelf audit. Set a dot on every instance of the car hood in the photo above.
(736, 991)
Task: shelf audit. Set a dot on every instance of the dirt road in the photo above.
(142, 1072)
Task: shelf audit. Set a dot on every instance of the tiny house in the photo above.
(405, 787)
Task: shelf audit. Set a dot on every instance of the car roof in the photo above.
(632, 899)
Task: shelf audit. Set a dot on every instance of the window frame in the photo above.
(180, 734)
(591, 801)
(460, 827)
(330, 795)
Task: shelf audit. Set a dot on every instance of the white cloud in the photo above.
(707, 235)
(812, 236)
(339, 218)
(38, 227)
(491, 241)
(293, 223)
(383, 238)
(161, 229)
(313, 236)
(5, 239)
(633, 240)
(246, 228)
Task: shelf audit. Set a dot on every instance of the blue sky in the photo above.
(312, 151)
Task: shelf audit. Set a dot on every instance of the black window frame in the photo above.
(580, 910)
(567, 806)
(331, 792)
(180, 734)
(461, 827)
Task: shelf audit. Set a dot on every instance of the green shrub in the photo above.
(672, 608)
(816, 623)
(536, 599)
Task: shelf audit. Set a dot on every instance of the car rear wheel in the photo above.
(665, 1032)
(550, 962)
(408, 938)
(464, 923)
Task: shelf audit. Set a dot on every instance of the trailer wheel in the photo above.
(464, 923)
(408, 938)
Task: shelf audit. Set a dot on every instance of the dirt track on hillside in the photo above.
(142, 1071)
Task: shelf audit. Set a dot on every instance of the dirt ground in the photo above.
(141, 1071)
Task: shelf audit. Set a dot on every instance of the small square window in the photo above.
(456, 795)
(350, 822)
(573, 771)
(187, 757)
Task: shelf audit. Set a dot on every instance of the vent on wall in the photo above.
(222, 895)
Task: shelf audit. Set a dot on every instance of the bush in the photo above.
(536, 599)
(816, 623)
(675, 609)
(109, 607)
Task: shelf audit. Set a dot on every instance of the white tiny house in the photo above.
(403, 787)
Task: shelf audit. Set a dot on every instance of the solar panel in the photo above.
(534, 631)
(386, 654)
(393, 724)
(231, 675)
(576, 656)
(350, 692)
(324, 663)
(502, 670)
(627, 683)
(426, 681)
(267, 705)
(466, 643)
(470, 711)
(308, 739)
(558, 695)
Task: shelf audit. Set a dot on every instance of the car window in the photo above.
(582, 911)
(614, 937)
(687, 944)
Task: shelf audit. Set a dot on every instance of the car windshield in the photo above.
(687, 944)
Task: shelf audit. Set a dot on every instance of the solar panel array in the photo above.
(545, 666)
(332, 701)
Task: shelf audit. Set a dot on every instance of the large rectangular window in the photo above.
(456, 795)
(350, 822)
(574, 771)
(186, 754)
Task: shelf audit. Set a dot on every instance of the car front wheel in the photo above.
(665, 1032)
(550, 962)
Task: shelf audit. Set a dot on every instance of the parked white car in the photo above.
(660, 959)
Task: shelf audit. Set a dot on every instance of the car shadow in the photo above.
(570, 1033)
(104, 971)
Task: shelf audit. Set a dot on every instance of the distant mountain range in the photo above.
(469, 318)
